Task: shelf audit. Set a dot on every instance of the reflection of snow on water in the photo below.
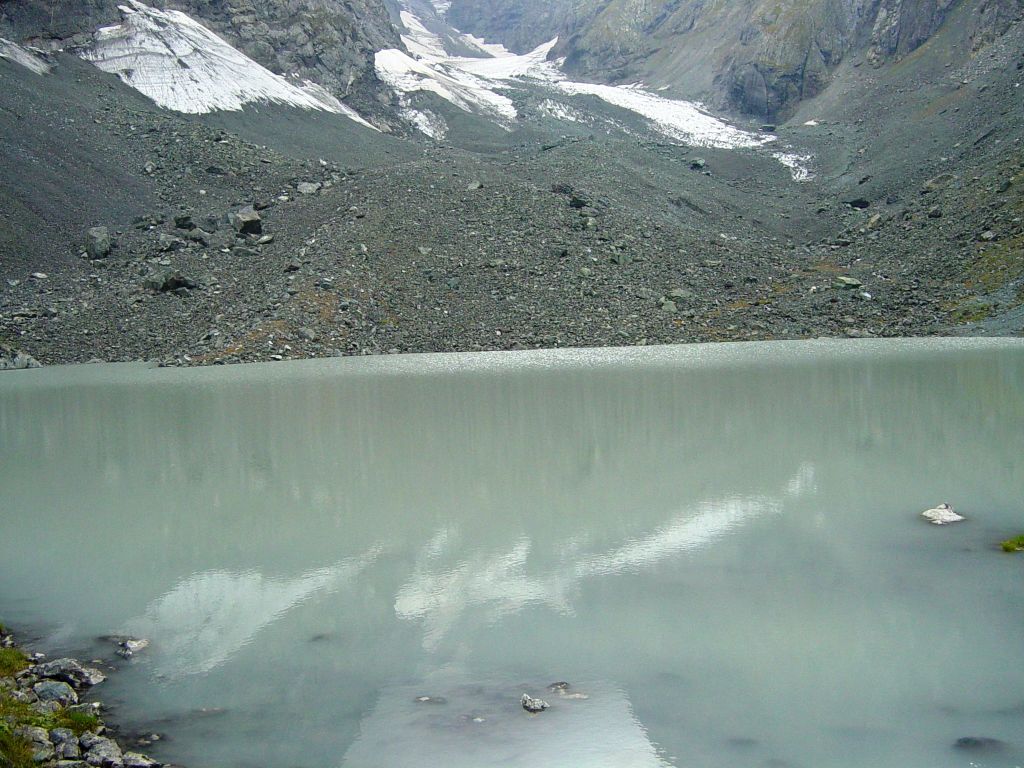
(438, 593)
(208, 617)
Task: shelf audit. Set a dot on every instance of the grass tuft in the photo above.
(79, 722)
(15, 752)
(12, 661)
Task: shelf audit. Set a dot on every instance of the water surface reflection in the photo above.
(723, 552)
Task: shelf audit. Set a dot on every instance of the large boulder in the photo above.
(98, 243)
(70, 671)
(246, 221)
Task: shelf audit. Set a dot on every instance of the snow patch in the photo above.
(427, 122)
(420, 41)
(680, 120)
(503, 65)
(472, 83)
(468, 92)
(559, 111)
(183, 66)
(491, 49)
(797, 164)
(15, 53)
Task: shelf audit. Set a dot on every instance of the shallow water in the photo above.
(719, 546)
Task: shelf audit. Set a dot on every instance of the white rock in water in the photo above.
(531, 704)
(128, 647)
(941, 515)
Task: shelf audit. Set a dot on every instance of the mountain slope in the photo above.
(760, 57)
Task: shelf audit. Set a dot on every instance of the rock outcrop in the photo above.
(520, 25)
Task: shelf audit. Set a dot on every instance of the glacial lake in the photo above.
(719, 547)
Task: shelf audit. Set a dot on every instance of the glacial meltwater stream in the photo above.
(718, 547)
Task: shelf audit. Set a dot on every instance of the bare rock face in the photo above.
(520, 25)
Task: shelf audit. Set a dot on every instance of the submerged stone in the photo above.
(979, 744)
(530, 704)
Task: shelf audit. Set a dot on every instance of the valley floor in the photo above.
(546, 237)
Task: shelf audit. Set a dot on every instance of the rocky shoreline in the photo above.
(50, 718)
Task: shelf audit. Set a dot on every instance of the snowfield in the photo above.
(474, 84)
(183, 66)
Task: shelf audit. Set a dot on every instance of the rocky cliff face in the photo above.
(760, 57)
(521, 25)
(331, 42)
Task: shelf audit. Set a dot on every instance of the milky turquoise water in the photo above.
(719, 546)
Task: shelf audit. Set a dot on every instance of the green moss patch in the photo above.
(999, 264)
(1016, 544)
(970, 311)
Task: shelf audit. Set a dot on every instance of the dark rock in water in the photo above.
(559, 686)
(97, 243)
(247, 222)
(14, 359)
(530, 704)
(979, 744)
